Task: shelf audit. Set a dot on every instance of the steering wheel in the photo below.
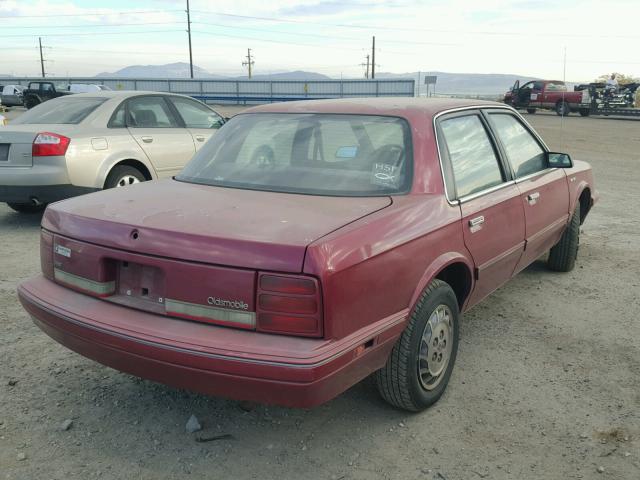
(390, 154)
(263, 156)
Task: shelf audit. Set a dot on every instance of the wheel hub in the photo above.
(126, 180)
(435, 347)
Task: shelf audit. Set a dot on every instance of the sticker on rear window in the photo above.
(385, 175)
(64, 251)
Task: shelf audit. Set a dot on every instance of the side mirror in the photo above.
(559, 160)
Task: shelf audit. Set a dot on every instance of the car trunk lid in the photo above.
(16, 142)
(213, 225)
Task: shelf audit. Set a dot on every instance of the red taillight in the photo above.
(288, 304)
(49, 144)
(46, 254)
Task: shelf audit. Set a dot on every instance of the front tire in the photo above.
(562, 256)
(27, 207)
(419, 367)
(531, 110)
(124, 175)
(31, 102)
(584, 112)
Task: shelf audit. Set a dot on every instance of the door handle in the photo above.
(147, 139)
(532, 198)
(200, 138)
(474, 222)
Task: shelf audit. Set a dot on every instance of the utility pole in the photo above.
(373, 58)
(249, 63)
(189, 33)
(41, 58)
(366, 72)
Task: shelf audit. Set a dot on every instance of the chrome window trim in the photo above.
(495, 188)
(509, 109)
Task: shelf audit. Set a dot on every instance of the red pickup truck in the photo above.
(549, 95)
(308, 245)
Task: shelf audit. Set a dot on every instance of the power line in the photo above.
(90, 14)
(87, 33)
(91, 25)
(400, 28)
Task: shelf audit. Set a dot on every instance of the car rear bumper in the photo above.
(272, 369)
(41, 193)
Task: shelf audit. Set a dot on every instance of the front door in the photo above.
(492, 212)
(544, 191)
(155, 128)
(200, 120)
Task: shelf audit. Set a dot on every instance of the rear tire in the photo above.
(531, 110)
(27, 207)
(416, 375)
(563, 109)
(584, 112)
(562, 256)
(124, 175)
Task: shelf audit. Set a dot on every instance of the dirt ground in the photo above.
(546, 386)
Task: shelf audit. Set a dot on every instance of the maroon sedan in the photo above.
(309, 245)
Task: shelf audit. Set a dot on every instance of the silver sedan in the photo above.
(82, 143)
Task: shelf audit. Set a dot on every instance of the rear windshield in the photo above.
(322, 154)
(68, 110)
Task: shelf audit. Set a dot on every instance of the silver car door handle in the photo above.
(200, 138)
(474, 222)
(147, 139)
(533, 197)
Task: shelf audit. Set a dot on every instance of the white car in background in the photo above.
(90, 141)
(87, 88)
(11, 95)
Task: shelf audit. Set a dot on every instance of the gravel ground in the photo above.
(546, 386)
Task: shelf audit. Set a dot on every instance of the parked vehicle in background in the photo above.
(12, 95)
(309, 245)
(38, 92)
(87, 88)
(90, 141)
(548, 95)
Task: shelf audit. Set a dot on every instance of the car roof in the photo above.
(122, 93)
(394, 106)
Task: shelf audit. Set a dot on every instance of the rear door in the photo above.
(492, 213)
(200, 120)
(544, 191)
(155, 127)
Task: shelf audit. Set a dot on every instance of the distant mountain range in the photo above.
(463, 83)
(181, 70)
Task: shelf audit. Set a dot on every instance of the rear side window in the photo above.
(150, 112)
(67, 110)
(523, 151)
(471, 154)
(195, 114)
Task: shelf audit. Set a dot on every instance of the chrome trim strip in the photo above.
(479, 107)
(473, 196)
(100, 288)
(534, 174)
(214, 313)
(348, 349)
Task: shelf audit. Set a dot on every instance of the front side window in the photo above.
(195, 114)
(150, 112)
(471, 154)
(65, 110)
(322, 154)
(523, 151)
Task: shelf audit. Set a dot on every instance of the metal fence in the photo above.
(247, 91)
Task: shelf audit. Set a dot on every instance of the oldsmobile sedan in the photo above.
(309, 245)
(87, 142)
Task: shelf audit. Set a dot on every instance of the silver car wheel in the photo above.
(436, 346)
(126, 180)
